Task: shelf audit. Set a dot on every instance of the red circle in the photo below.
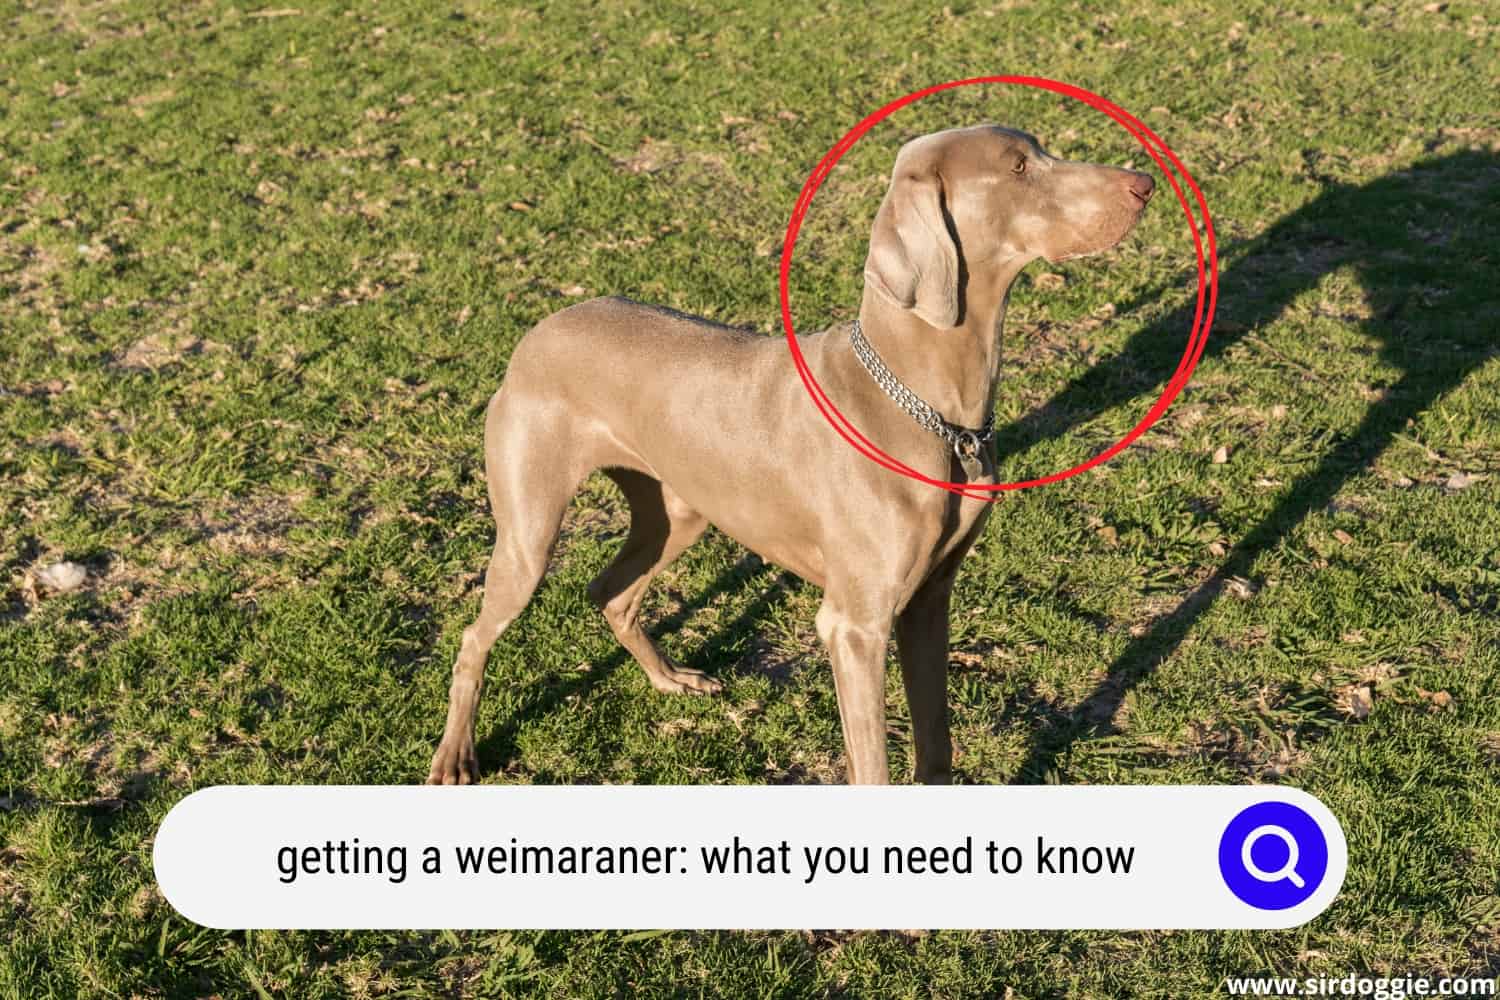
(1208, 281)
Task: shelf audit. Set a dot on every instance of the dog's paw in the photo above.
(454, 765)
(679, 680)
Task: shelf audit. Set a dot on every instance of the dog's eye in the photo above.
(1020, 167)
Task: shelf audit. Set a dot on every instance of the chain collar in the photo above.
(965, 442)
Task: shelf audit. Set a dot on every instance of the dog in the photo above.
(700, 423)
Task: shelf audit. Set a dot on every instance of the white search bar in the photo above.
(620, 856)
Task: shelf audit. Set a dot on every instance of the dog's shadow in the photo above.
(499, 747)
(1420, 242)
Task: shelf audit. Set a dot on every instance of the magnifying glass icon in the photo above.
(1286, 871)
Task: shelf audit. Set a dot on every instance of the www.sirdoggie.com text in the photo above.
(350, 857)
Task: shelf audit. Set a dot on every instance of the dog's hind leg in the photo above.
(662, 526)
(531, 479)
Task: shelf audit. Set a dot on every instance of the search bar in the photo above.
(721, 857)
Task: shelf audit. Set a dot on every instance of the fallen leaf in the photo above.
(1343, 536)
(1458, 481)
(573, 291)
(1109, 534)
(1358, 702)
(1049, 279)
(1221, 455)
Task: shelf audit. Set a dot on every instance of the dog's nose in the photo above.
(1141, 185)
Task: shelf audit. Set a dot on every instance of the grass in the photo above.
(260, 269)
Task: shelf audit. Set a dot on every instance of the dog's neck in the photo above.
(953, 370)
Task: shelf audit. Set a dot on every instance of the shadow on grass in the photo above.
(553, 690)
(1421, 242)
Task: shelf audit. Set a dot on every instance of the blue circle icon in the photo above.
(1273, 855)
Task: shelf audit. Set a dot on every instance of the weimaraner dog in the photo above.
(701, 423)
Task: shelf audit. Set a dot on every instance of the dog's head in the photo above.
(985, 194)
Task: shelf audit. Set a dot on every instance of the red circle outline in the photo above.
(1208, 280)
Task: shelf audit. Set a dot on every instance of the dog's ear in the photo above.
(913, 260)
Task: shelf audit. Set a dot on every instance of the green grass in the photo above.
(259, 274)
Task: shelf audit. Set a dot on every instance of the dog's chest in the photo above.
(953, 525)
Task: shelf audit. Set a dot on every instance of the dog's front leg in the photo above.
(856, 644)
(922, 641)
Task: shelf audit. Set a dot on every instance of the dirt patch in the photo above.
(1230, 746)
(32, 286)
(159, 350)
(253, 527)
(654, 156)
(37, 389)
(650, 158)
(806, 769)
